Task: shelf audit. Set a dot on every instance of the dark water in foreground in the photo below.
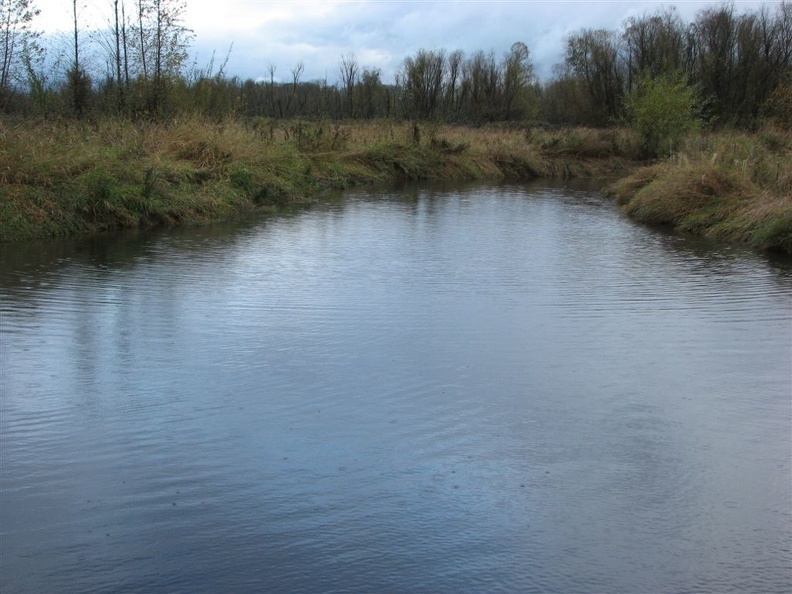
(479, 390)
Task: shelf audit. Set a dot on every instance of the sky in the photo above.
(257, 34)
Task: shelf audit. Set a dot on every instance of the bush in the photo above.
(779, 106)
(663, 110)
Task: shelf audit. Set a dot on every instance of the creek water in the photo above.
(477, 389)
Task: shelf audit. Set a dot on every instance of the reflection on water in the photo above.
(484, 389)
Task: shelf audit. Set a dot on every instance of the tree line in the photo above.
(738, 63)
(737, 66)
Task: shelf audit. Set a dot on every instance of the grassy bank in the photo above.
(68, 177)
(729, 186)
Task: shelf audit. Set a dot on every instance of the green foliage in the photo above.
(663, 111)
(774, 233)
(79, 87)
(241, 178)
(779, 105)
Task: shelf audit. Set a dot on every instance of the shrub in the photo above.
(779, 105)
(663, 110)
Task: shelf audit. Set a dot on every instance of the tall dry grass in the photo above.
(730, 186)
(64, 177)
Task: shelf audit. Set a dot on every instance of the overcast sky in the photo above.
(381, 33)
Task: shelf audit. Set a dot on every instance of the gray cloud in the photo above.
(381, 33)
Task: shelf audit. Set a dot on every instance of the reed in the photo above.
(66, 177)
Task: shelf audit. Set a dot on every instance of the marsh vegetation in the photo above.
(691, 119)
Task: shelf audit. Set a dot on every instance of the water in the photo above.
(436, 390)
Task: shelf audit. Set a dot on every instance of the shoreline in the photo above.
(68, 177)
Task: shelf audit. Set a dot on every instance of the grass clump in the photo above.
(735, 187)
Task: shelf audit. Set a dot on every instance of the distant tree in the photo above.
(736, 61)
(162, 45)
(592, 58)
(371, 92)
(453, 84)
(422, 80)
(517, 75)
(480, 86)
(564, 100)
(118, 26)
(271, 69)
(77, 80)
(348, 70)
(715, 36)
(740, 59)
(655, 44)
(40, 92)
(17, 39)
(118, 52)
(292, 103)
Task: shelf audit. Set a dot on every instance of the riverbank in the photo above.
(69, 177)
(728, 186)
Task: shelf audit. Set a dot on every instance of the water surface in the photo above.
(507, 388)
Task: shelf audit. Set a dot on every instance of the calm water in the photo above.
(461, 390)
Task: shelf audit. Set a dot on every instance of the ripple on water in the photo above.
(492, 389)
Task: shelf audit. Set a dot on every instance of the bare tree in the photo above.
(348, 69)
(163, 41)
(119, 53)
(423, 76)
(517, 76)
(454, 62)
(113, 41)
(16, 38)
(271, 87)
(480, 85)
(592, 58)
(296, 73)
(79, 83)
(655, 44)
